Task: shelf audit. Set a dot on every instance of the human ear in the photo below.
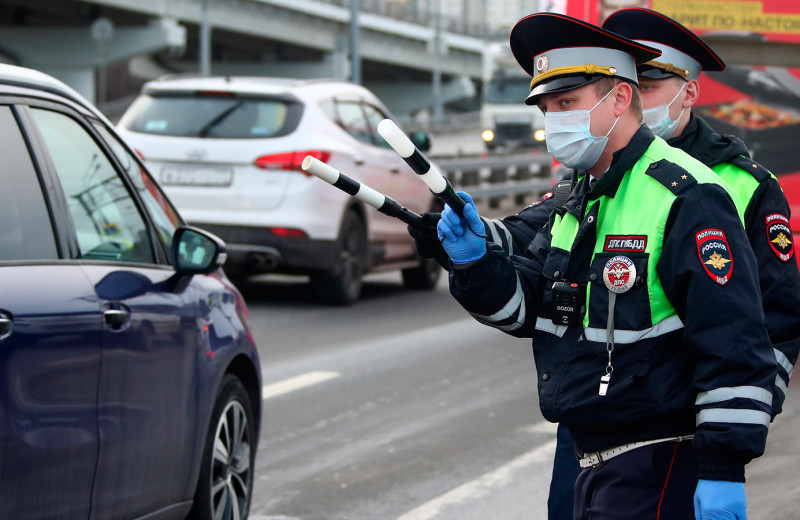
(622, 98)
(692, 93)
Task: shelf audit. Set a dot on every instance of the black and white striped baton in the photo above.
(430, 174)
(364, 193)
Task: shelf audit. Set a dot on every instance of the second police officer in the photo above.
(643, 334)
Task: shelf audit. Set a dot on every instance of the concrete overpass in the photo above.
(143, 39)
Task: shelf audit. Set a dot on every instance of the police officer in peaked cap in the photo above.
(645, 341)
(669, 88)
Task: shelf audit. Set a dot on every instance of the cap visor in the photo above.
(561, 84)
(656, 73)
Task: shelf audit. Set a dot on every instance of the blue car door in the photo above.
(50, 349)
(147, 391)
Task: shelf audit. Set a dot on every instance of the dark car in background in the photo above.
(130, 383)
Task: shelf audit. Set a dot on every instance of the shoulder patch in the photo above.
(672, 176)
(715, 254)
(779, 236)
(756, 170)
(543, 198)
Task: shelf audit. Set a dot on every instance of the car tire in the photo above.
(225, 484)
(424, 277)
(342, 286)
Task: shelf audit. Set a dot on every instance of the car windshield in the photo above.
(213, 115)
(507, 90)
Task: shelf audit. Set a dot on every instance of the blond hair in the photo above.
(604, 85)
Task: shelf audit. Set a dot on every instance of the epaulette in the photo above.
(756, 170)
(672, 176)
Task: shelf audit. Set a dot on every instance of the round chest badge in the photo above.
(542, 63)
(619, 274)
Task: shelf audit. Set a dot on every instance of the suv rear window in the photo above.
(220, 115)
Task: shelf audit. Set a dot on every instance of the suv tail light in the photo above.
(288, 232)
(290, 160)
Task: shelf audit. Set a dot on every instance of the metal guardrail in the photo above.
(515, 179)
(424, 15)
(459, 121)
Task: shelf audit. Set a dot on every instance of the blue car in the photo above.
(130, 384)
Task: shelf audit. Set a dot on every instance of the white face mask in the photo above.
(570, 140)
(658, 119)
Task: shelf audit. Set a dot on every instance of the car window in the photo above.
(107, 222)
(375, 116)
(352, 119)
(26, 232)
(213, 115)
(164, 215)
(329, 109)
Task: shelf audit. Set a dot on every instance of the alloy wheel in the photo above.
(231, 472)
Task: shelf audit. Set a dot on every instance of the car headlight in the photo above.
(539, 135)
(487, 135)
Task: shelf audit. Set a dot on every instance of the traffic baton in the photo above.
(364, 193)
(430, 174)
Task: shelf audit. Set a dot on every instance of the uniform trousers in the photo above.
(562, 483)
(654, 482)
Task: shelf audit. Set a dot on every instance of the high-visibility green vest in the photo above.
(744, 177)
(640, 206)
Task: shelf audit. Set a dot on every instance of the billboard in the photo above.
(775, 20)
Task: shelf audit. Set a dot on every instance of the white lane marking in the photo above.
(542, 427)
(296, 383)
(482, 485)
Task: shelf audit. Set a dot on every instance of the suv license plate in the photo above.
(202, 176)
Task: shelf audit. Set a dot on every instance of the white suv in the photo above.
(228, 153)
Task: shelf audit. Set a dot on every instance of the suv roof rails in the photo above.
(313, 81)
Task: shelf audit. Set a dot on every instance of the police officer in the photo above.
(643, 334)
(669, 88)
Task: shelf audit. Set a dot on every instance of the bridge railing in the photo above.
(423, 15)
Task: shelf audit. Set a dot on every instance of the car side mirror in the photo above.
(195, 251)
(421, 140)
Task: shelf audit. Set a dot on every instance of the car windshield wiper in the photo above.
(206, 128)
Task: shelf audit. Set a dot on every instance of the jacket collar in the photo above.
(700, 141)
(622, 160)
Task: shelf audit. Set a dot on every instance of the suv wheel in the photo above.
(424, 276)
(343, 285)
(226, 474)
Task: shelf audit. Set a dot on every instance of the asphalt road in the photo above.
(402, 407)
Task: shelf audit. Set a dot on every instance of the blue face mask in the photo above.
(658, 120)
(570, 140)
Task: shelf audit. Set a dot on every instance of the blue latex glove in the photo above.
(464, 239)
(720, 500)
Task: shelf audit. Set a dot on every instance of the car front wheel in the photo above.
(226, 475)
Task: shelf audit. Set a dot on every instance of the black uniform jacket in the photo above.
(779, 278)
(663, 385)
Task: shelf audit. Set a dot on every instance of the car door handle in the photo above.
(6, 325)
(116, 318)
(358, 161)
(396, 169)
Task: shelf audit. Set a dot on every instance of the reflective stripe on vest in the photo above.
(665, 326)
